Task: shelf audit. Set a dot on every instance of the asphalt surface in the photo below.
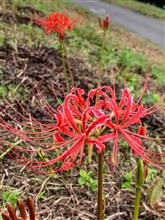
(146, 27)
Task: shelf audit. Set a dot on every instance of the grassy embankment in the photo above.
(127, 54)
(122, 49)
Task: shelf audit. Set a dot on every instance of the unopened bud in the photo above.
(11, 211)
(106, 23)
(142, 131)
(5, 216)
(22, 208)
(140, 174)
(100, 22)
(31, 208)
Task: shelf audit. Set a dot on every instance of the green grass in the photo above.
(158, 74)
(145, 9)
(132, 65)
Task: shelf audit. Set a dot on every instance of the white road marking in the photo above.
(102, 10)
(98, 11)
(94, 10)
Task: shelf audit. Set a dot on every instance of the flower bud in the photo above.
(140, 173)
(100, 22)
(106, 22)
(142, 131)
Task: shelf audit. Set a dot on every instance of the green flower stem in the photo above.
(137, 203)
(100, 56)
(67, 64)
(140, 177)
(100, 201)
(64, 65)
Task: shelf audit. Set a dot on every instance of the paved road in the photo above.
(146, 27)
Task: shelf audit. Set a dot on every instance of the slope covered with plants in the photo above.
(47, 49)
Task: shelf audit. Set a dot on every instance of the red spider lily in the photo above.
(56, 23)
(76, 120)
(80, 123)
(123, 115)
(104, 24)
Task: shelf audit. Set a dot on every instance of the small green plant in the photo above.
(86, 179)
(149, 98)
(42, 195)
(158, 74)
(127, 180)
(10, 196)
(131, 60)
(2, 90)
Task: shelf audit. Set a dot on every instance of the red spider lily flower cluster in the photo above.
(104, 24)
(56, 23)
(80, 124)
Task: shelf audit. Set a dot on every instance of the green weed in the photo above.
(127, 180)
(86, 179)
(10, 196)
(150, 98)
(42, 195)
(131, 60)
(158, 74)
